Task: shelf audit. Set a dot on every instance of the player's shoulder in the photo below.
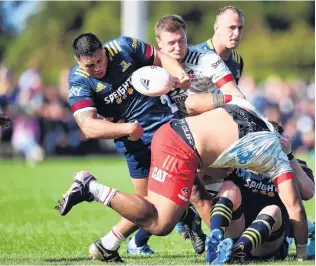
(206, 46)
(193, 55)
(79, 76)
(123, 44)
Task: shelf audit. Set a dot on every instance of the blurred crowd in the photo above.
(43, 124)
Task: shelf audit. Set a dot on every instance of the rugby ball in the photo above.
(152, 81)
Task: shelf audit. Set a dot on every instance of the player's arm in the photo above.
(174, 68)
(303, 175)
(147, 55)
(81, 98)
(95, 128)
(213, 66)
(291, 199)
(203, 102)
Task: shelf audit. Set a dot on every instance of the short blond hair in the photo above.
(169, 23)
(231, 8)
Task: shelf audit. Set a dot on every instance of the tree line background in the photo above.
(279, 37)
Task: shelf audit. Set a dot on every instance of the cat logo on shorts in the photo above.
(159, 174)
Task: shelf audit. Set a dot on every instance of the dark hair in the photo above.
(86, 44)
(231, 8)
(277, 126)
(170, 23)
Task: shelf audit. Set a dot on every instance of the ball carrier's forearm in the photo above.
(95, 128)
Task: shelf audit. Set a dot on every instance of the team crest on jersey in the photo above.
(121, 93)
(125, 65)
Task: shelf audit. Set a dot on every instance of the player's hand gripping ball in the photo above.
(152, 81)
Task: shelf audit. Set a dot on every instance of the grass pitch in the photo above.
(32, 232)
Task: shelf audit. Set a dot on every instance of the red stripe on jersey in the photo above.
(149, 50)
(82, 104)
(284, 177)
(224, 80)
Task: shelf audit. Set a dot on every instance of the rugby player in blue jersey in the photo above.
(266, 218)
(100, 85)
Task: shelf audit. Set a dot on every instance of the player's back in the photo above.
(235, 62)
(114, 96)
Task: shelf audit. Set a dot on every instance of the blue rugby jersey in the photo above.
(258, 191)
(235, 62)
(114, 96)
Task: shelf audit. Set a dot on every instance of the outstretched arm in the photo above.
(305, 183)
(291, 199)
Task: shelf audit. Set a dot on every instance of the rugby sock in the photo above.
(188, 216)
(140, 239)
(257, 233)
(221, 213)
(113, 239)
(101, 193)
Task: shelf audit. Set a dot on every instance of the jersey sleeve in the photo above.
(215, 68)
(137, 49)
(80, 96)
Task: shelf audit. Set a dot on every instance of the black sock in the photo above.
(188, 216)
(256, 234)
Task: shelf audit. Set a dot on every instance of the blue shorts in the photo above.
(138, 162)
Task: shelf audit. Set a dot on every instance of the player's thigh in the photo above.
(169, 213)
(138, 163)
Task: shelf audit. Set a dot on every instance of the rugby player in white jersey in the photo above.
(208, 73)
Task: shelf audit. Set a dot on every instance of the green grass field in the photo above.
(32, 232)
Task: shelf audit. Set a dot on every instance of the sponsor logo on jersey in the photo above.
(261, 187)
(125, 65)
(159, 175)
(134, 44)
(74, 91)
(100, 87)
(178, 96)
(120, 93)
(217, 63)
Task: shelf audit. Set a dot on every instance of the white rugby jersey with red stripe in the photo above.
(208, 73)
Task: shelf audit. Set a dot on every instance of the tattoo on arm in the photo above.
(82, 116)
(218, 100)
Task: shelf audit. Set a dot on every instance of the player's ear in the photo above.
(77, 59)
(158, 42)
(215, 27)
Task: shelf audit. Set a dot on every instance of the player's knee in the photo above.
(199, 194)
(231, 191)
(274, 212)
(162, 229)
